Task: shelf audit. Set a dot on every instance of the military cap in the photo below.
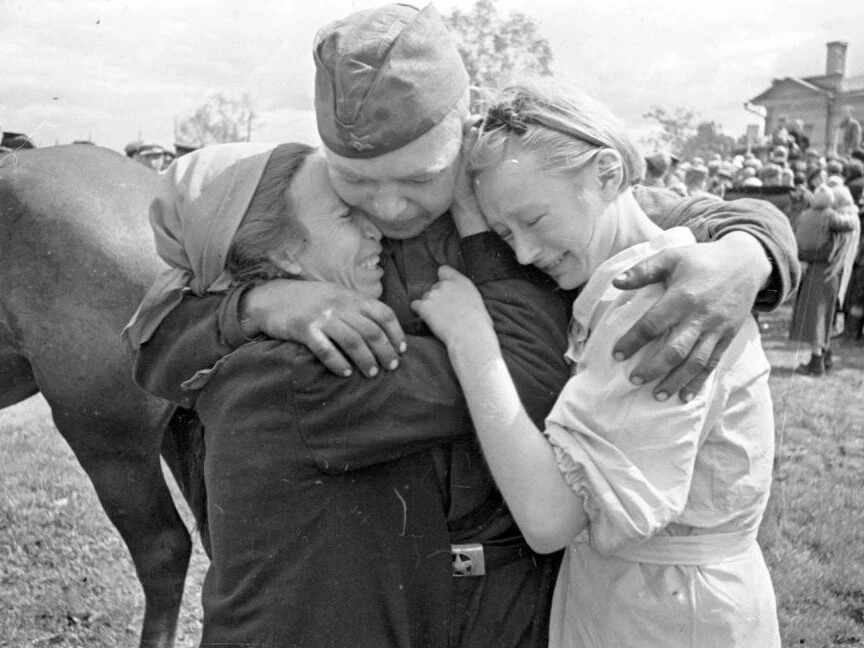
(659, 163)
(779, 154)
(383, 78)
(132, 148)
(696, 172)
(150, 148)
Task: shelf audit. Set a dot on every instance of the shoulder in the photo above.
(654, 200)
(254, 366)
(744, 362)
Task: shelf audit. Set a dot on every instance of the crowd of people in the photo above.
(773, 166)
(825, 207)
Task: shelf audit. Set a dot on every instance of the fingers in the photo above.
(339, 339)
(445, 272)
(327, 353)
(676, 348)
(473, 122)
(684, 362)
(368, 339)
(654, 269)
(418, 306)
(704, 304)
(691, 374)
(373, 347)
(656, 321)
(389, 324)
(686, 393)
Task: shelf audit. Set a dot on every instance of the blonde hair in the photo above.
(562, 126)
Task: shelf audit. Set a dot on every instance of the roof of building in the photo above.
(853, 84)
(848, 85)
(775, 83)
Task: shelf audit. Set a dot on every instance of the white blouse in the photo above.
(674, 491)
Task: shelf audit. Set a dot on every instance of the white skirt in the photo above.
(723, 598)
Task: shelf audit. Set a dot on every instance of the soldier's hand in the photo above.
(710, 291)
(340, 326)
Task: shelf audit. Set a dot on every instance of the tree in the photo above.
(709, 138)
(675, 129)
(222, 118)
(680, 134)
(494, 48)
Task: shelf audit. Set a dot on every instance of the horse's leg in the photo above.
(16, 378)
(16, 374)
(122, 461)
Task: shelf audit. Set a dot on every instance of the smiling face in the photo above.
(554, 222)
(342, 245)
(407, 189)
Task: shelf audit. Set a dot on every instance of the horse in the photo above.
(76, 257)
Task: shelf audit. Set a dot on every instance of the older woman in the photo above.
(327, 514)
(657, 504)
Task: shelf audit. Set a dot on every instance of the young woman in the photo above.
(656, 503)
(326, 500)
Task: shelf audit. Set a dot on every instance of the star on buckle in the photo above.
(468, 560)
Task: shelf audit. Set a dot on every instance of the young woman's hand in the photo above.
(453, 309)
(465, 210)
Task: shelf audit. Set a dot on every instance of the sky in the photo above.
(112, 71)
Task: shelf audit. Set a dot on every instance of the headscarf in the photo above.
(200, 203)
(846, 242)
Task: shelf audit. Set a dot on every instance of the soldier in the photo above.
(149, 154)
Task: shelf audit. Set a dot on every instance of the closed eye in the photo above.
(420, 179)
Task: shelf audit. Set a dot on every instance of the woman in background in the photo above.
(824, 232)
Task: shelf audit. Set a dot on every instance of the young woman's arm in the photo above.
(547, 510)
(615, 452)
(521, 460)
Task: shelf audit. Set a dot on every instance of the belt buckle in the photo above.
(468, 560)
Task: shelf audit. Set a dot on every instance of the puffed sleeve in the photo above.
(629, 456)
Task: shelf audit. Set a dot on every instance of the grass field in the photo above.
(66, 580)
